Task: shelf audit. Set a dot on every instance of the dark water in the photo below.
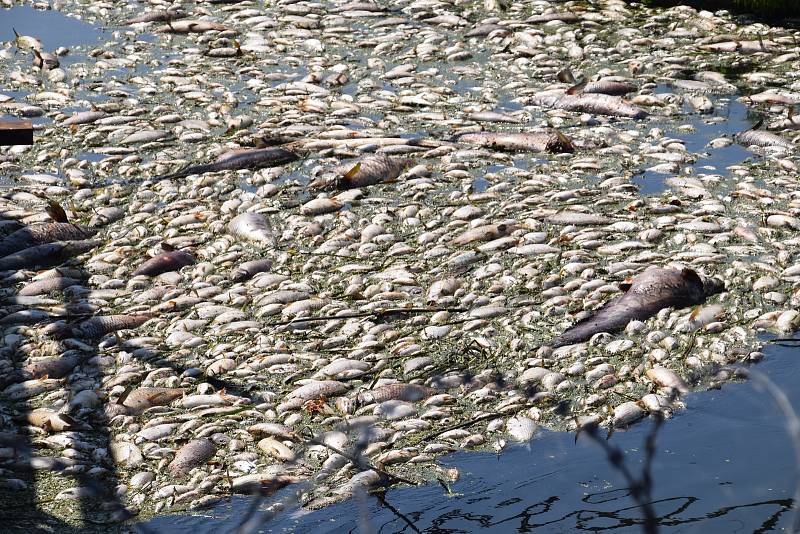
(723, 465)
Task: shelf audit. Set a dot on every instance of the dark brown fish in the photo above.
(165, 262)
(369, 170)
(54, 367)
(101, 325)
(252, 158)
(649, 292)
(39, 234)
(193, 454)
(141, 399)
(190, 26)
(249, 269)
(47, 255)
(482, 30)
(610, 87)
(595, 103)
(551, 141)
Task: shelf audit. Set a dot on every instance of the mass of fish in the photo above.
(314, 246)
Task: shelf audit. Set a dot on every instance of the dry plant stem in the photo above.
(641, 489)
(792, 428)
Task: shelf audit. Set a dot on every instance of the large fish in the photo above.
(249, 158)
(369, 170)
(649, 292)
(39, 234)
(47, 255)
(754, 136)
(594, 103)
(550, 141)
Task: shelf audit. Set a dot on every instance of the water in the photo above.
(737, 119)
(61, 29)
(725, 464)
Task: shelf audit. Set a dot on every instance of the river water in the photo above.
(725, 464)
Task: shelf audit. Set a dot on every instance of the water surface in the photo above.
(724, 465)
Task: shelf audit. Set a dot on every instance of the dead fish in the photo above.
(667, 378)
(552, 141)
(84, 117)
(252, 227)
(47, 255)
(367, 171)
(754, 136)
(610, 86)
(482, 30)
(566, 16)
(190, 26)
(39, 234)
(165, 262)
(649, 292)
(45, 60)
(744, 47)
(141, 399)
(193, 454)
(161, 15)
(317, 389)
(51, 421)
(254, 158)
(26, 41)
(597, 104)
(54, 367)
(101, 325)
(627, 413)
(493, 116)
(484, 233)
(48, 285)
(578, 218)
(773, 96)
(403, 392)
(249, 269)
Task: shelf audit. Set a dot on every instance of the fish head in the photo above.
(712, 286)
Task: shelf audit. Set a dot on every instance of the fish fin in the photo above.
(790, 113)
(757, 125)
(625, 286)
(565, 141)
(566, 76)
(761, 42)
(36, 53)
(56, 212)
(124, 395)
(16, 35)
(352, 172)
(577, 88)
(166, 247)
